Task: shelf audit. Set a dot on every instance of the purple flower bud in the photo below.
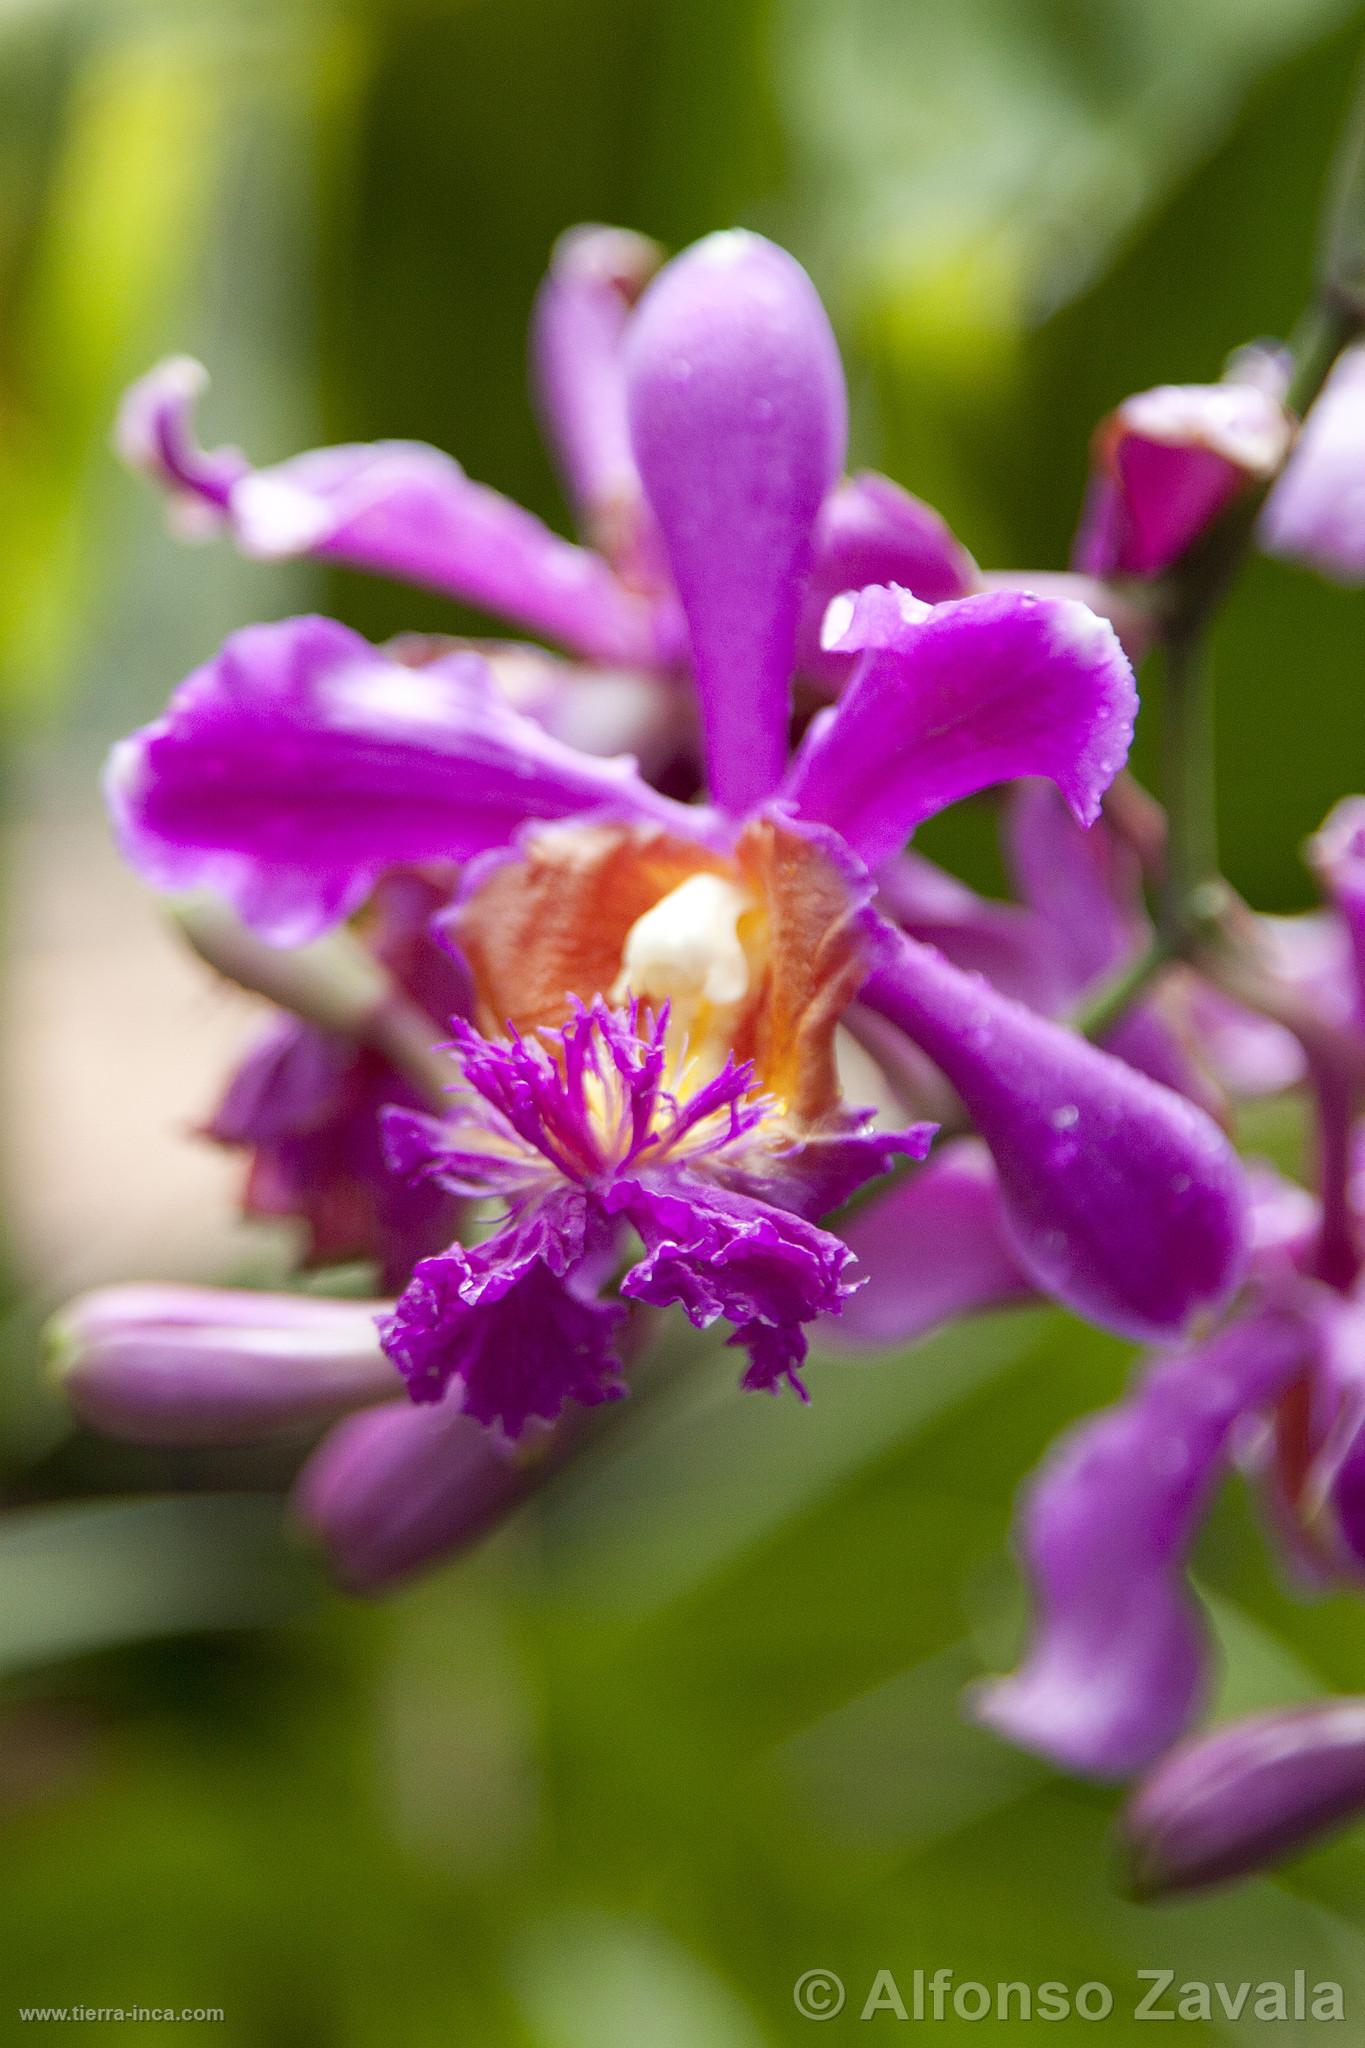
(209, 1365)
(394, 1492)
(1245, 1797)
(1167, 463)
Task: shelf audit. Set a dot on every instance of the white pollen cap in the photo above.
(687, 948)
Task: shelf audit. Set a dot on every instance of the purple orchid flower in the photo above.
(656, 986)
(1118, 1665)
(403, 509)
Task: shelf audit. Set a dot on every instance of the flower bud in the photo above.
(390, 1494)
(211, 1365)
(1166, 464)
(1245, 1797)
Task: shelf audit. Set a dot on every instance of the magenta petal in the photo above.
(948, 700)
(577, 336)
(1316, 512)
(1337, 854)
(1123, 1199)
(295, 767)
(720, 1253)
(397, 507)
(738, 417)
(1117, 1665)
(408, 511)
(393, 1492)
(154, 433)
(505, 1326)
(210, 1365)
(1083, 885)
(871, 531)
(1246, 1796)
(1123, 605)
(933, 1247)
(308, 1106)
(1016, 951)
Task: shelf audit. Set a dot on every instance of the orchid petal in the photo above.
(1117, 1667)
(738, 416)
(720, 1253)
(1123, 605)
(1316, 512)
(948, 700)
(1084, 885)
(933, 1247)
(295, 767)
(1337, 854)
(308, 1106)
(154, 434)
(1123, 1199)
(1016, 952)
(872, 531)
(578, 333)
(396, 507)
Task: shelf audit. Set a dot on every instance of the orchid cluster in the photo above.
(571, 954)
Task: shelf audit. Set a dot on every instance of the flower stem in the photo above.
(1188, 761)
(1186, 598)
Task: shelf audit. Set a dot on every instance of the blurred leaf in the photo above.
(709, 1473)
(84, 1577)
(583, 1982)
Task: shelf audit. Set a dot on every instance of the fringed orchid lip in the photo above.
(696, 1101)
(758, 952)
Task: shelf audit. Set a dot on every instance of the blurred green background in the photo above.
(689, 1727)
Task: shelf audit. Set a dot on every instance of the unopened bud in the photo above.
(214, 1365)
(1245, 1797)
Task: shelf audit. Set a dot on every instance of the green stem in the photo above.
(1113, 999)
(1188, 781)
(1184, 601)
